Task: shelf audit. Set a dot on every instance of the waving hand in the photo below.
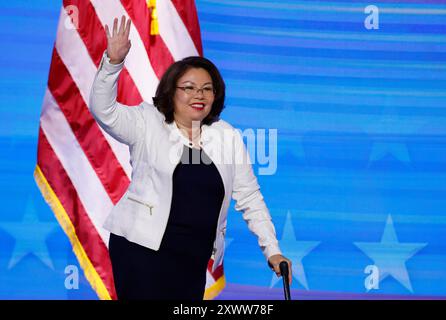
(118, 43)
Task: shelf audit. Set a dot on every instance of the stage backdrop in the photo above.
(346, 104)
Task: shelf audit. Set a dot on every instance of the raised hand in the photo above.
(118, 44)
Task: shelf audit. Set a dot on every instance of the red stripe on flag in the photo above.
(86, 130)
(157, 51)
(86, 232)
(188, 13)
(159, 55)
(94, 37)
(128, 93)
(218, 271)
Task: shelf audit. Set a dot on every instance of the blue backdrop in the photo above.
(360, 115)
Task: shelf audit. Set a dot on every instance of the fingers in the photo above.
(127, 28)
(124, 28)
(276, 268)
(121, 27)
(274, 264)
(107, 31)
(115, 26)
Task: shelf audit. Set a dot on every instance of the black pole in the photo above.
(286, 283)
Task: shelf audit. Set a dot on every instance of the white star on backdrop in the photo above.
(30, 235)
(295, 251)
(397, 150)
(390, 255)
(389, 125)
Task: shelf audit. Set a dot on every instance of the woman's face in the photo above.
(190, 105)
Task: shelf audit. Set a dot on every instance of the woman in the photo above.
(173, 216)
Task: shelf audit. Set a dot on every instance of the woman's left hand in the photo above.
(274, 262)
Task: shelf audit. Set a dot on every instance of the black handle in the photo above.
(286, 283)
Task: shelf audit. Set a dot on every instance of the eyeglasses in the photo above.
(191, 90)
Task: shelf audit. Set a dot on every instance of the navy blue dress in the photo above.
(178, 269)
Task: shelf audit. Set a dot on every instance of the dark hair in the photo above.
(165, 92)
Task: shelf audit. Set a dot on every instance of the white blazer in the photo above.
(142, 213)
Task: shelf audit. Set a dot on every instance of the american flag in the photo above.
(81, 171)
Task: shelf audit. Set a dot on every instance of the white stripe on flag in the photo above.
(74, 54)
(92, 193)
(173, 31)
(137, 61)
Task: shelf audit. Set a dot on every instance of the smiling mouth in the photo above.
(197, 106)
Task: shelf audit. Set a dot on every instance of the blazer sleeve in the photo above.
(249, 199)
(125, 124)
